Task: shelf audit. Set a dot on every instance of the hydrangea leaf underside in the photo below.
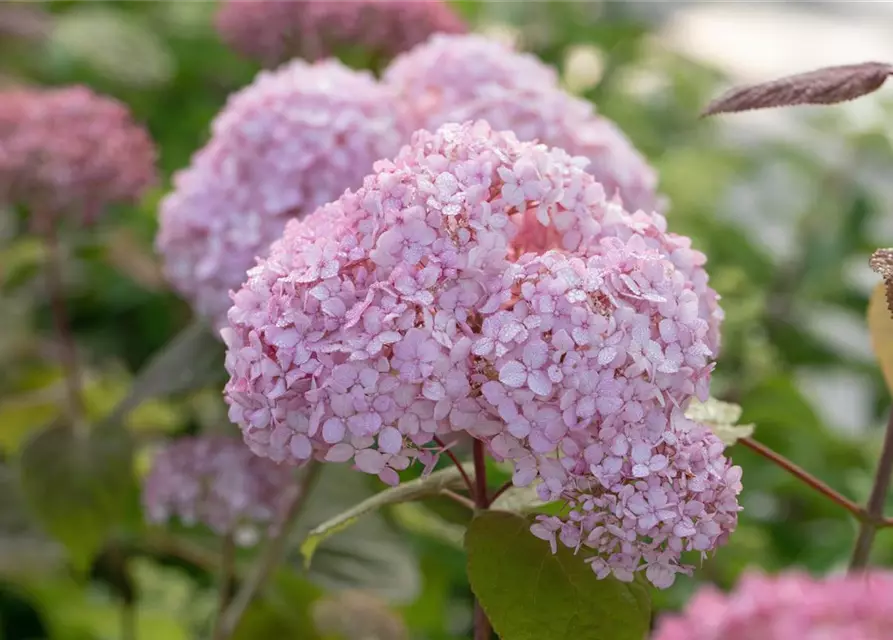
(79, 486)
(531, 594)
(880, 326)
(190, 361)
(722, 419)
(369, 555)
(520, 500)
(414, 490)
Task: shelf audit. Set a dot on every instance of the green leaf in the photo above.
(74, 613)
(418, 519)
(79, 485)
(114, 44)
(24, 549)
(721, 417)
(369, 554)
(531, 594)
(433, 485)
(191, 360)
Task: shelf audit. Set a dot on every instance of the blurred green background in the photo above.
(787, 208)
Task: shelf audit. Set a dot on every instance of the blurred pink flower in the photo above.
(273, 31)
(787, 606)
(293, 140)
(217, 482)
(454, 78)
(71, 151)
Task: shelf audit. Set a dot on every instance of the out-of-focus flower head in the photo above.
(273, 31)
(481, 284)
(71, 151)
(454, 78)
(293, 140)
(786, 606)
(216, 481)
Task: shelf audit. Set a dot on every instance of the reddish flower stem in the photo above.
(875, 508)
(508, 485)
(452, 456)
(805, 476)
(482, 628)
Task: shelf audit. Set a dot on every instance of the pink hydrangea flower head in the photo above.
(71, 151)
(638, 496)
(216, 481)
(293, 140)
(789, 605)
(273, 31)
(454, 78)
(476, 283)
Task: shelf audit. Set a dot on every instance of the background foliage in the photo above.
(787, 216)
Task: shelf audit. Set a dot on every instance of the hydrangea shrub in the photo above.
(458, 256)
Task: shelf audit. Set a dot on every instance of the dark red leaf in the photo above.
(830, 85)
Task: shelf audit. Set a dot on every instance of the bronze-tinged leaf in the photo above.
(882, 263)
(829, 85)
(880, 327)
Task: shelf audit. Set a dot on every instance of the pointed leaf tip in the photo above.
(829, 85)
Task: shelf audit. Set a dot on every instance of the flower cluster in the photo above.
(217, 482)
(791, 605)
(71, 151)
(454, 78)
(477, 283)
(293, 140)
(273, 31)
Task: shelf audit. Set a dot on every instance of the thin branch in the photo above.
(227, 572)
(67, 349)
(508, 485)
(452, 456)
(455, 497)
(270, 557)
(875, 507)
(128, 621)
(482, 629)
(480, 476)
(805, 476)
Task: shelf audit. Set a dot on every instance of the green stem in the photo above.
(227, 571)
(271, 556)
